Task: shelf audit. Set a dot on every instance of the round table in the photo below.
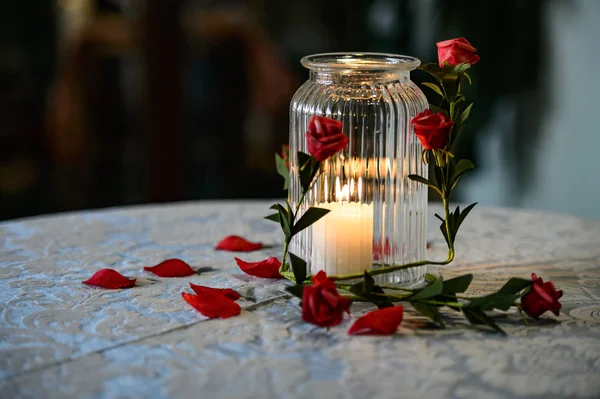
(60, 338)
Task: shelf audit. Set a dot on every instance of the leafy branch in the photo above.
(440, 293)
(289, 219)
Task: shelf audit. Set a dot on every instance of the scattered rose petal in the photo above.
(213, 305)
(428, 245)
(268, 268)
(228, 292)
(109, 278)
(237, 244)
(171, 268)
(378, 322)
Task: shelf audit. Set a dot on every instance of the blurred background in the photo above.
(115, 102)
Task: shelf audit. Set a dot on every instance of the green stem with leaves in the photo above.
(286, 242)
(285, 252)
(446, 202)
(389, 269)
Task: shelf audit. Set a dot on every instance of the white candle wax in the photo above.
(342, 241)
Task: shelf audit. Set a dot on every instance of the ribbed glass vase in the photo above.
(378, 215)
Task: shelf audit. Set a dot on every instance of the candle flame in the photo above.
(341, 193)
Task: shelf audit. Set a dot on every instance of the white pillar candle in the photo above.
(342, 241)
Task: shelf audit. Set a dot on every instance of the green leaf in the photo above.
(461, 68)
(311, 215)
(445, 232)
(435, 109)
(303, 159)
(449, 298)
(457, 284)
(465, 114)
(434, 70)
(298, 267)
(429, 291)
(284, 220)
(363, 287)
(296, 290)
(434, 87)
(428, 310)
(468, 78)
(366, 288)
(437, 171)
(308, 168)
(458, 170)
(463, 215)
(439, 217)
(493, 301)
(288, 275)
(369, 283)
(461, 167)
(423, 180)
(282, 170)
(450, 85)
(514, 286)
(478, 317)
(274, 217)
(429, 276)
(453, 110)
(451, 223)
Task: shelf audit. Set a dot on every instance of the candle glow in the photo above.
(342, 241)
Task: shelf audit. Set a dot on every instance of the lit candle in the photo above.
(342, 241)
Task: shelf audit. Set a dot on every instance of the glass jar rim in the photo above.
(371, 62)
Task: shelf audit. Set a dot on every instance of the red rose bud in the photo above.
(324, 137)
(237, 244)
(540, 298)
(109, 278)
(171, 268)
(456, 51)
(432, 129)
(268, 268)
(321, 303)
(378, 322)
(213, 305)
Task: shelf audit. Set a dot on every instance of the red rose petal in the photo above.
(378, 322)
(268, 268)
(171, 268)
(213, 305)
(109, 278)
(228, 292)
(237, 244)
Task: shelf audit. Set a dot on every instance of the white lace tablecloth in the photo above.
(62, 339)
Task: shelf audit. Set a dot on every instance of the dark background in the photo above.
(107, 103)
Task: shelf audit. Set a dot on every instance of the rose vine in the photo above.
(438, 128)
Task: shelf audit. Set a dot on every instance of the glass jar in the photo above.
(378, 216)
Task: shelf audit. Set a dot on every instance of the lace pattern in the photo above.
(62, 339)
